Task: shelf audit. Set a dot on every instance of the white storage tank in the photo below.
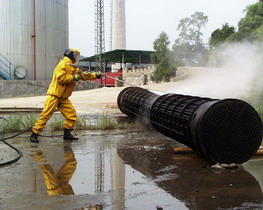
(33, 34)
(118, 25)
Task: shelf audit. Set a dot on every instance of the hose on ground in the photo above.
(19, 152)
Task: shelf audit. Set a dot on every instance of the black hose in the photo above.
(10, 137)
(20, 154)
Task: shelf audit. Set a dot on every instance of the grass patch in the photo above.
(106, 123)
(11, 124)
(81, 124)
(17, 123)
(57, 124)
(28, 121)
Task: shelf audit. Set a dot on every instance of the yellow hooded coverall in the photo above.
(59, 90)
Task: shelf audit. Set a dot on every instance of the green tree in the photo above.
(258, 33)
(189, 46)
(250, 27)
(221, 35)
(162, 58)
(253, 19)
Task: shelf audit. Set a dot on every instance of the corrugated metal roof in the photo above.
(124, 56)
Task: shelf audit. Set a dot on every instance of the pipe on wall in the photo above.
(34, 37)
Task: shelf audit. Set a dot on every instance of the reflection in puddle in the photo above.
(57, 183)
(188, 179)
(133, 173)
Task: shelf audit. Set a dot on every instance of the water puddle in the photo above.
(122, 170)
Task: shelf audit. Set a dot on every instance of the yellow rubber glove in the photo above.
(76, 77)
(99, 75)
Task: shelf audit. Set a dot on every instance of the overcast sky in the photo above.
(146, 19)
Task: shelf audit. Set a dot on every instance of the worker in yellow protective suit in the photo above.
(57, 183)
(63, 82)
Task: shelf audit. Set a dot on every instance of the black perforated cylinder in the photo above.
(224, 131)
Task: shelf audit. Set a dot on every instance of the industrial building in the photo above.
(35, 33)
(33, 37)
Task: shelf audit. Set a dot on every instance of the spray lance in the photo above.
(85, 70)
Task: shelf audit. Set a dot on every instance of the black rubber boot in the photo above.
(68, 136)
(34, 138)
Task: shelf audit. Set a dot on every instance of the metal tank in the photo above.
(34, 34)
(118, 25)
(225, 131)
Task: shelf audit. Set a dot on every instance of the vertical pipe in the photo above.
(10, 70)
(34, 37)
(104, 72)
(122, 61)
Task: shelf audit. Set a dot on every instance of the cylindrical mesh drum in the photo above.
(224, 131)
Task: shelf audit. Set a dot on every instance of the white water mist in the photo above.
(239, 73)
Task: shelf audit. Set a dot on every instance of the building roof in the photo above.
(124, 56)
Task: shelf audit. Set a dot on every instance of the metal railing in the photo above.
(6, 68)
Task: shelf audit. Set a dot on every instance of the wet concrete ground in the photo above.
(121, 169)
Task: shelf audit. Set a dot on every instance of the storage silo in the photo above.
(118, 25)
(34, 33)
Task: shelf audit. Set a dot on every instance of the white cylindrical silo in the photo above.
(33, 34)
(118, 25)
